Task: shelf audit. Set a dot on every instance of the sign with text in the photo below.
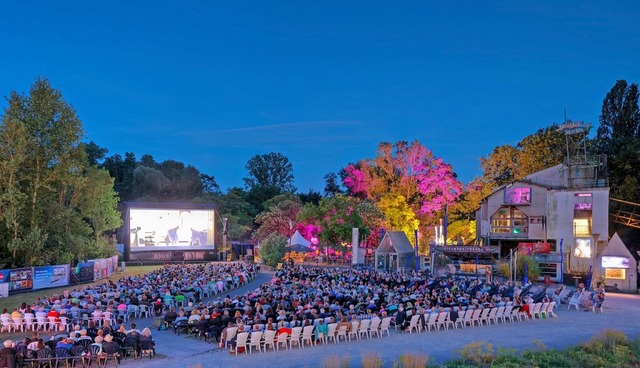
(50, 276)
(534, 248)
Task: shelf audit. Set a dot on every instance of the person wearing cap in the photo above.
(8, 355)
(111, 347)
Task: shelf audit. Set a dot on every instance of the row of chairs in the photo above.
(301, 336)
(479, 317)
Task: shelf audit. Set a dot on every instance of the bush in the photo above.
(532, 265)
(412, 361)
(479, 353)
(273, 249)
(371, 360)
(503, 269)
(335, 362)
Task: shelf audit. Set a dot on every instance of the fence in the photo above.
(18, 280)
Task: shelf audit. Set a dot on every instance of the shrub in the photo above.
(479, 353)
(335, 362)
(503, 269)
(412, 361)
(371, 360)
(532, 265)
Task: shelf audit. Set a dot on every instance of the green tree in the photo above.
(95, 153)
(310, 197)
(282, 209)
(331, 185)
(618, 136)
(270, 171)
(541, 150)
(501, 166)
(273, 249)
(48, 184)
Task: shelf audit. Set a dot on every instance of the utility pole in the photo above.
(224, 238)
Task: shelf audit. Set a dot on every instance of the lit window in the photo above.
(582, 248)
(509, 220)
(582, 227)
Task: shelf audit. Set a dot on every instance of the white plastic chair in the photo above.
(269, 340)
(255, 341)
(296, 335)
(385, 325)
(307, 335)
(241, 341)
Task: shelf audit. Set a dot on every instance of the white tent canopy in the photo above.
(298, 239)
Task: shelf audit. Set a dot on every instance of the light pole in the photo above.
(290, 235)
(224, 238)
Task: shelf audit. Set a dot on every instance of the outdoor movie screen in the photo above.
(170, 227)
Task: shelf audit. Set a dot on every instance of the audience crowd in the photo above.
(96, 316)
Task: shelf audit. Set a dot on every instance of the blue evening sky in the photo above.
(214, 83)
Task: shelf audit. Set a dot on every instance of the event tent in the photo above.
(298, 243)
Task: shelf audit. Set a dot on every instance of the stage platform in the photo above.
(173, 253)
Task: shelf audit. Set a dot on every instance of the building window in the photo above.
(615, 273)
(582, 248)
(582, 205)
(509, 220)
(582, 227)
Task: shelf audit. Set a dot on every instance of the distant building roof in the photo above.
(395, 242)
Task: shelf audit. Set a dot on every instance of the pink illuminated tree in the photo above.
(410, 170)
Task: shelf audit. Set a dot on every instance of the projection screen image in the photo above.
(168, 227)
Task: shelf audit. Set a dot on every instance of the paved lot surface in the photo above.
(621, 312)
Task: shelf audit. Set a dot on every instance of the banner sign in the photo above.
(50, 276)
(82, 273)
(100, 269)
(534, 248)
(20, 279)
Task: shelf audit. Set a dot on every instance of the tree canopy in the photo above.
(54, 205)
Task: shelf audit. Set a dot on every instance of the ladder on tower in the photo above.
(624, 212)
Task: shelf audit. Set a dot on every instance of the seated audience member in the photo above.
(111, 347)
(170, 317)
(8, 355)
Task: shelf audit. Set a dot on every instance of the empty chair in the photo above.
(143, 311)
(506, 315)
(296, 335)
(385, 325)
(331, 332)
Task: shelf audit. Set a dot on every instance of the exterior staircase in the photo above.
(624, 212)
